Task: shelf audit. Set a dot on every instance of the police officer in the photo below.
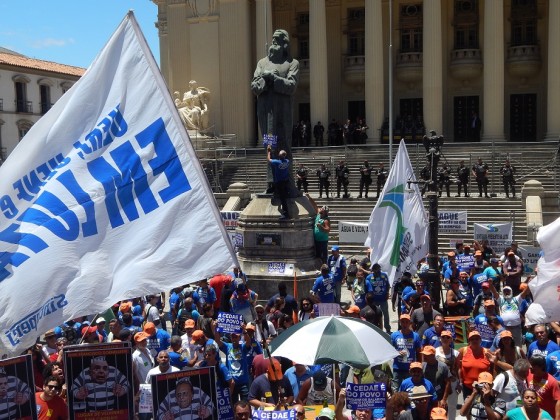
(426, 175)
(365, 178)
(381, 178)
(323, 174)
(480, 171)
(463, 175)
(443, 179)
(508, 171)
(301, 175)
(342, 179)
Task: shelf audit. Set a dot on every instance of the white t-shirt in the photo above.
(509, 311)
(511, 394)
(156, 371)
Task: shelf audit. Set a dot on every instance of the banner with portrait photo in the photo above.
(100, 383)
(17, 389)
(189, 394)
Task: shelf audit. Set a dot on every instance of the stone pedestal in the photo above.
(274, 249)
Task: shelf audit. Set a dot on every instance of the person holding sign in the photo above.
(360, 414)
(186, 401)
(237, 355)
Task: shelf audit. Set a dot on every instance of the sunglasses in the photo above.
(55, 387)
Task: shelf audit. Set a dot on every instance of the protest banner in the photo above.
(326, 309)
(352, 232)
(366, 396)
(452, 221)
(274, 414)
(230, 219)
(499, 235)
(104, 188)
(531, 255)
(16, 378)
(229, 323)
(189, 393)
(100, 383)
(465, 262)
(145, 405)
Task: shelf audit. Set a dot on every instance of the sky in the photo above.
(70, 32)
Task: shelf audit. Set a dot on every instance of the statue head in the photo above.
(280, 48)
(193, 84)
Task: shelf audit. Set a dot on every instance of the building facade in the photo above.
(28, 89)
(470, 69)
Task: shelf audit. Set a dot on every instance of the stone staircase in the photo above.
(532, 161)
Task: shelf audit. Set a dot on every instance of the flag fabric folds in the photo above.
(103, 199)
(546, 286)
(398, 226)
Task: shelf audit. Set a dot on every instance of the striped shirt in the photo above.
(8, 407)
(199, 399)
(100, 396)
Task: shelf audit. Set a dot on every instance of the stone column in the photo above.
(493, 78)
(553, 88)
(432, 74)
(374, 82)
(236, 99)
(263, 27)
(179, 71)
(318, 73)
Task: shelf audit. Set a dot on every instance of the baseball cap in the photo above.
(438, 413)
(489, 302)
(50, 333)
(474, 334)
(353, 309)
(415, 365)
(327, 413)
(494, 261)
(335, 248)
(405, 316)
(320, 380)
(189, 323)
(446, 333)
(428, 350)
(141, 336)
(89, 330)
(250, 327)
(150, 328)
(425, 297)
(506, 333)
(507, 289)
(100, 320)
(197, 335)
(485, 377)
(485, 285)
(450, 254)
(125, 307)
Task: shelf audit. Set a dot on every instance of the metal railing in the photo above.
(24, 106)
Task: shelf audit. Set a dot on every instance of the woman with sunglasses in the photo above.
(306, 311)
(49, 403)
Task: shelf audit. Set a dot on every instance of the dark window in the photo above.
(356, 43)
(356, 110)
(45, 98)
(410, 22)
(356, 31)
(21, 97)
(524, 22)
(465, 22)
(303, 47)
(523, 117)
(463, 108)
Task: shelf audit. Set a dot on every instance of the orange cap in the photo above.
(446, 333)
(438, 413)
(405, 316)
(485, 377)
(189, 323)
(197, 335)
(150, 328)
(428, 350)
(506, 333)
(415, 365)
(141, 336)
(474, 334)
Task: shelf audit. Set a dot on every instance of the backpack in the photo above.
(180, 320)
(70, 334)
(352, 270)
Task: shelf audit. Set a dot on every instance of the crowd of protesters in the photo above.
(504, 369)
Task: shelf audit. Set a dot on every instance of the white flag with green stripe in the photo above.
(398, 226)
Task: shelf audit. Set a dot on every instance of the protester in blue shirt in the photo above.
(236, 362)
(323, 288)
(477, 279)
(204, 294)
(553, 364)
(337, 265)
(542, 346)
(281, 178)
(381, 288)
(407, 343)
(297, 375)
(417, 379)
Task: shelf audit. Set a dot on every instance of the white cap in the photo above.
(99, 320)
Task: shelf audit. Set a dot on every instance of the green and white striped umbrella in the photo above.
(332, 339)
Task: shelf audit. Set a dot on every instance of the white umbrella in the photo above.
(333, 339)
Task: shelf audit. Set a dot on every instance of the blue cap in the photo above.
(335, 248)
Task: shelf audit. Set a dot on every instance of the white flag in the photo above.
(398, 226)
(546, 286)
(104, 199)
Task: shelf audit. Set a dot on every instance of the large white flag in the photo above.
(103, 199)
(398, 226)
(546, 286)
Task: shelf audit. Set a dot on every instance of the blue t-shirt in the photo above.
(430, 338)
(535, 349)
(410, 342)
(336, 271)
(553, 364)
(177, 360)
(236, 362)
(297, 381)
(202, 296)
(324, 287)
(380, 286)
(254, 349)
(518, 414)
(280, 169)
(407, 385)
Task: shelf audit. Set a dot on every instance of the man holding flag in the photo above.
(398, 225)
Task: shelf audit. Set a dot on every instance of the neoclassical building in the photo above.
(449, 60)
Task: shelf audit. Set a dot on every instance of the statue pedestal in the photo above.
(274, 249)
